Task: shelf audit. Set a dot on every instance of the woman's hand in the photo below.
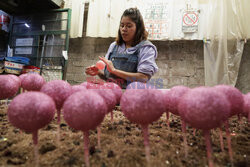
(123, 74)
(109, 64)
(92, 70)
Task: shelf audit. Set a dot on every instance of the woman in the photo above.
(131, 57)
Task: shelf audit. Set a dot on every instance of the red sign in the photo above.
(4, 19)
(190, 18)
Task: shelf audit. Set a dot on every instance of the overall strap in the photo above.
(143, 43)
(115, 49)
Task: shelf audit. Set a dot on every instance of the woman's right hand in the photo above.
(92, 70)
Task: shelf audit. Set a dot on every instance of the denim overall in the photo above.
(125, 62)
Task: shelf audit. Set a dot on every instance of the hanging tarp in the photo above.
(222, 61)
(224, 47)
(104, 17)
(77, 15)
(164, 19)
(168, 19)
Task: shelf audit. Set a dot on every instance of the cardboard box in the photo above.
(30, 69)
(1, 66)
(1, 70)
(13, 68)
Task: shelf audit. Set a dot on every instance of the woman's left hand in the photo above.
(109, 64)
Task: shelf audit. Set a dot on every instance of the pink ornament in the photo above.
(143, 106)
(236, 101)
(108, 97)
(8, 86)
(100, 65)
(16, 78)
(84, 84)
(59, 90)
(33, 82)
(23, 76)
(234, 97)
(31, 111)
(116, 90)
(173, 97)
(77, 88)
(204, 108)
(91, 85)
(83, 111)
(110, 100)
(140, 85)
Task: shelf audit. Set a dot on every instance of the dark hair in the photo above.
(141, 33)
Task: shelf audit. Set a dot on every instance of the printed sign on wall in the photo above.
(23, 42)
(190, 21)
(156, 20)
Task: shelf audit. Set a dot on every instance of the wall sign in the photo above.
(190, 21)
(156, 18)
(23, 42)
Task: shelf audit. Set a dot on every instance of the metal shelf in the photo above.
(34, 33)
(46, 21)
(39, 51)
(33, 46)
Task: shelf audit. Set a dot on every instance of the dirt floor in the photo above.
(121, 145)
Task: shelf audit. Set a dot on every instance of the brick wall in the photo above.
(84, 52)
(180, 63)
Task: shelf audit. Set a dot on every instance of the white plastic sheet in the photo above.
(77, 15)
(163, 18)
(227, 27)
(104, 16)
(222, 61)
